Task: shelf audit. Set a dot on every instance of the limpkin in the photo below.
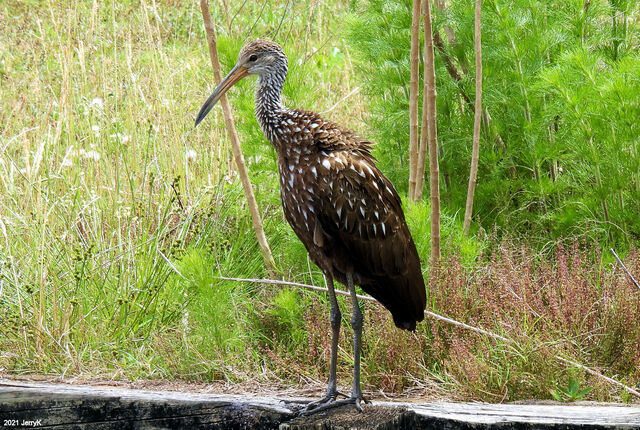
(344, 210)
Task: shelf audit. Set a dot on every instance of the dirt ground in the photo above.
(308, 390)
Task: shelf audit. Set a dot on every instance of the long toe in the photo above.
(353, 401)
(330, 397)
(323, 401)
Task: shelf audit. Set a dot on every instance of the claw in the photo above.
(357, 405)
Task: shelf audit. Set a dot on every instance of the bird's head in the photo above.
(258, 57)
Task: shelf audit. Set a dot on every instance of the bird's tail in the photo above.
(404, 296)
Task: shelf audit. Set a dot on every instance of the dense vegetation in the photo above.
(117, 217)
(560, 153)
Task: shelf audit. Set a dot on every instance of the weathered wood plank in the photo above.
(485, 413)
(96, 408)
(100, 407)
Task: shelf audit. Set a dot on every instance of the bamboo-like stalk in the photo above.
(414, 93)
(432, 130)
(422, 151)
(235, 144)
(475, 153)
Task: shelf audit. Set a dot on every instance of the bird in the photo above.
(340, 205)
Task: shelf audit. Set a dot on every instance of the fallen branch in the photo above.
(371, 299)
(438, 317)
(625, 268)
(600, 375)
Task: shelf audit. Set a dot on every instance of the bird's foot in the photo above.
(330, 397)
(330, 402)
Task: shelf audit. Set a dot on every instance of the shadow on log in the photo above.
(43, 405)
(372, 417)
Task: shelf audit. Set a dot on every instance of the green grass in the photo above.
(110, 198)
(117, 217)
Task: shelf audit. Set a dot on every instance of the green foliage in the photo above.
(116, 215)
(453, 241)
(118, 218)
(383, 64)
(283, 319)
(560, 156)
(216, 308)
(572, 393)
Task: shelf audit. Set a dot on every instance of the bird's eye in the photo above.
(254, 57)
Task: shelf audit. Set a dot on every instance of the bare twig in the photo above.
(625, 268)
(368, 298)
(235, 144)
(414, 93)
(352, 92)
(450, 66)
(457, 76)
(600, 375)
(432, 134)
(226, 15)
(237, 11)
(467, 326)
(475, 155)
(284, 15)
(257, 19)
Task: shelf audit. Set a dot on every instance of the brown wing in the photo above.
(362, 212)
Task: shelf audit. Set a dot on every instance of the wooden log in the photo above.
(61, 406)
(88, 407)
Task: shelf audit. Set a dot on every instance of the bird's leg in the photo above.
(336, 318)
(356, 323)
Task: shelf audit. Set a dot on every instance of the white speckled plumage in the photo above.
(344, 210)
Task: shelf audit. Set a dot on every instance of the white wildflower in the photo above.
(67, 161)
(191, 155)
(123, 138)
(97, 103)
(90, 155)
(96, 130)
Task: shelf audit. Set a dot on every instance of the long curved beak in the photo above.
(237, 73)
